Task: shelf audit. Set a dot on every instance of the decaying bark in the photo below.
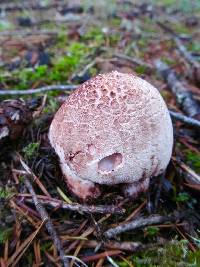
(183, 97)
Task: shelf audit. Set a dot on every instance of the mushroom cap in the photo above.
(114, 128)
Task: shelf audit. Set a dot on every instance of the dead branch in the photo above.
(30, 5)
(33, 176)
(125, 245)
(59, 87)
(132, 60)
(56, 203)
(187, 120)
(184, 98)
(195, 71)
(184, 52)
(49, 225)
(142, 222)
(167, 29)
(28, 32)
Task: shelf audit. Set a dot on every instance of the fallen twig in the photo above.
(184, 52)
(187, 55)
(133, 60)
(56, 203)
(193, 176)
(184, 98)
(141, 222)
(193, 186)
(49, 225)
(28, 5)
(185, 119)
(33, 176)
(28, 32)
(59, 87)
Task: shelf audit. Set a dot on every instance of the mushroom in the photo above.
(113, 129)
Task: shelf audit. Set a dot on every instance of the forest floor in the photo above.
(55, 43)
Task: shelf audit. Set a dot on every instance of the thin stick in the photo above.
(182, 49)
(141, 222)
(34, 177)
(56, 203)
(185, 119)
(134, 60)
(56, 87)
(195, 177)
(28, 32)
(49, 225)
(194, 64)
(32, 5)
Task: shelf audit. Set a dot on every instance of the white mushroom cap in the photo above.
(115, 128)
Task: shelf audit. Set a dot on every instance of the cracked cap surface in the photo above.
(115, 128)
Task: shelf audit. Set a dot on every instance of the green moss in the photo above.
(62, 40)
(166, 2)
(51, 106)
(5, 234)
(182, 5)
(149, 25)
(95, 34)
(181, 28)
(151, 230)
(68, 63)
(45, 246)
(140, 69)
(115, 22)
(194, 46)
(59, 71)
(5, 25)
(182, 197)
(28, 76)
(173, 254)
(193, 159)
(5, 192)
(168, 61)
(31, 150)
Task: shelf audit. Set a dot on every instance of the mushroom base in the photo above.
(87, 190)
(83, 189)
(134, 189)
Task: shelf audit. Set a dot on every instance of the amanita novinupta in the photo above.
(114, 129)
